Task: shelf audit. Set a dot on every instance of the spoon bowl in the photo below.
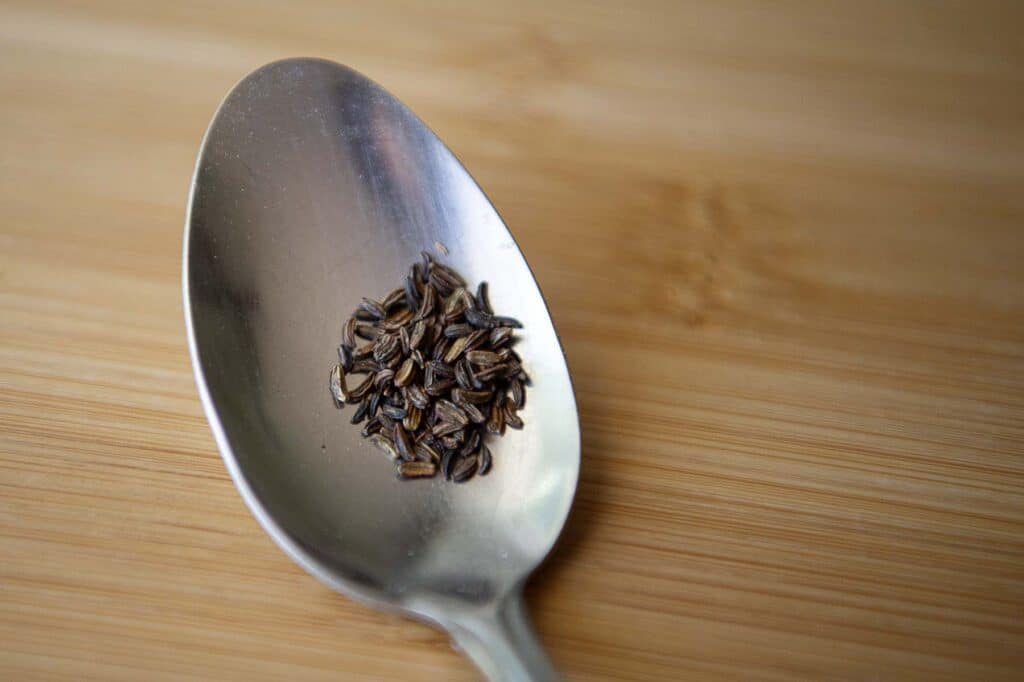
(315, 187)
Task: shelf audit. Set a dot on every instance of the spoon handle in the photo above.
(502, 643)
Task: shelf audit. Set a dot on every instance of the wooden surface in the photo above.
(783, 244)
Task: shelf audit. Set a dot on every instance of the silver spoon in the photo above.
(314, 187)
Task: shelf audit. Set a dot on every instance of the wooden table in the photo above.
(783, 244)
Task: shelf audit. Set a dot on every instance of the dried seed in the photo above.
(511, 418)
(464, 470)
(488, 373)
(426, 453)
(393, 411)
(483, 302)
(385, 348)
(365, 366)
(417, 397)
(387, 425)
(367, 332)
(455, 303)
(485, 461)
(480, 320)
(496, 422)
(450, 412)
(507, 322)
(445, 273)
(362, 410)
(397, 321)
(383, 376)
(437, 282)
(416, 336)
(360, 391)
(427, 306)
(443, 428)
(373, 308)
(384, 444)
(427, 260)
(476, 339)
(345, 357)
(447, 462)
(454, 331)
(403, 444)
(412, 419)
(375, 401)
(441, 370)
(517, 393)
(476, 397)
(471, 444)
(412, 293)
(416, 469)
(439, 387)
(483, 357)
(474, 413)
(371, 427)
(417, 357)
(394, 362)
(462, 376)
(393, 299)
(441, 349)
(405, 373)
(454, 440)
(456, 349)
(336, 382)
(500, 336)
(348, 333)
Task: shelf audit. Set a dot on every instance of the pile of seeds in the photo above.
(439, 374)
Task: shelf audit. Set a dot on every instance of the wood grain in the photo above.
(783, 246)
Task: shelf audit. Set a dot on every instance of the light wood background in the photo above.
(783, 244)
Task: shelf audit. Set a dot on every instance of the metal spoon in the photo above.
(314, 187)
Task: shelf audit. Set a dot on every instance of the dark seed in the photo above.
(483, 303)
(412, 419)
(385, 348)
(476, 339)
(441, 349)
(464, 470)
(489, 373)
(393, 411)
(445, 428)
(427, 306)
(365, 366)
(474, 413)
(439, 387)
(483, 357)
(451, 412)
(371, 427)
(416, 469)
(427, 454)
(456, 349)
(403, 444)
(383, 376)
(511, 418)
(403, 337)
(362, 410)
(348, 334)
(416, 336)
(442, 370)
(417, 397)
(375, 401)
(447, 460)
(373, 308)
(462, 376)
(500, 335)
(412, 294)
(507, 322)
(476, 397)
(454, 331)
(405, 373)
(517, 392)
(472, 443)
(393, 299)
(448, 275)
(485, 461)
(417, 357)
(496, 422)
(453, 441)
(480, 320)
(345, 357)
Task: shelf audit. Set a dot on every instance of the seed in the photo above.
(385, 348)
(440, 349)
(403, 337)
(451, 412)
(416, 336)
(417, 357)
(428, 454)
(416, 469)
(441, 370)
(496, 422)
(445, 273)
(476, 339)
(417, 397)
(453, 441)
(365, 366)
(480, 320)
(455, 303)
(517, 392)
(362, 410)
(507, 322)
(403, 444)
(348, 333)
(483, 357)
(446, 464)
(405, 373)
(427, 306)
(476, 397)
(439, 387)
(371, 427)
(500, 335)
(383, 376)
(375, 401)
(483, 303)
(372, 308)
(454, 331)
(456, 349)
(357, 393)
(337, 385)
(393, 411)
(396, 321)
(411, 422)
(489, 373)
(512, 418)
(393, 299)
(464, 470)
(384, 444)
(474, 413)
(412, 294)
(345, 357)
(443, 428)
(472, 443)
(462, 376)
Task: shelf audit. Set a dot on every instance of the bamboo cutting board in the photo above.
(783, 246)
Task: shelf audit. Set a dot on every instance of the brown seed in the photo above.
(454, 331)
(440, 349)
(416, 336)
(451, 412)
(362, 410)
(403, 444)
(517, 393)
(454, 440)
(501, 321)
(371, 427)
(412, 419)
(345, 357)
(417, 469)
(474, 413)
(365, 366)
(480, 320)
(455, 303)
(483, 357)
(476, 339)
(336, 383)
(471, 444)
(384, 376)
(384, 444)
(441, 370)
(417, 397)
(445, 273)
(447, 462)
(462, 376)
(464, 470)
(385, 348)
(456, 349)
(500, 336)
(488, 373)
(412, 292)
(397, 321)
(393, 299)
(485, 461)
(511, 417)
(405, 373)
(427, 306)
(375, 401)
(439, 387)
(443, 428)
(496, 422)
(373, 308)
(417, 357)
(348, 333)
(476, 397)
(360, 391)
(427, 453)
(403, 338)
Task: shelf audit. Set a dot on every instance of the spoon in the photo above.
(315, 187)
